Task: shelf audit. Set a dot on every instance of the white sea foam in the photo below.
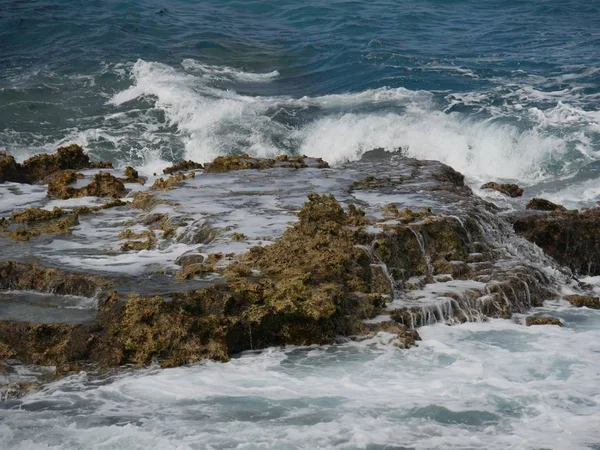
(213, 121)
(224, 72)
(492, 385)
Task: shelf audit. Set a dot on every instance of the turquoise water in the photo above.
(496, 89)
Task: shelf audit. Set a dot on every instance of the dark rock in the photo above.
(571, 237)
(512, 190)
(10, 170)
(541, 204)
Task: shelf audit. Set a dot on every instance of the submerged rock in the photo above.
(541, 204)
(512, 190)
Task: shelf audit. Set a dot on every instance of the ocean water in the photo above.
(498, 90)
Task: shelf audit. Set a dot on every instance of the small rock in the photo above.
(580, 301)
(543, 320)
(512, 190)
(182, 166)
(541, 204)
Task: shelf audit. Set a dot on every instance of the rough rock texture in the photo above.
(37, 168)
(406, 246)
(588, 301)
(182, 166)
(571, 237)
(512, 190)
(543, 320)
(229, 163)
(10, 170)
(103, 184)
(132, 176)
(32, 222)
(25, 277)
(541, 204)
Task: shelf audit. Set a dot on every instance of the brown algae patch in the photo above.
(162, 184)
(102, 184)
(183, 166)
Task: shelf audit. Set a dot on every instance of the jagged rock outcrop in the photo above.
(570, 237)
(541, 204)
(37, 168)
(256, 263)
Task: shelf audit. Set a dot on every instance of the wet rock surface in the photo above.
(38, 167)
(249, 253)
(541, 204)
(543, 320)
(581, 300)
(570, 237)
(512, 190)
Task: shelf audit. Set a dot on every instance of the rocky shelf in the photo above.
(102, 268)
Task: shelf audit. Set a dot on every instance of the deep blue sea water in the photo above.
(497, 89)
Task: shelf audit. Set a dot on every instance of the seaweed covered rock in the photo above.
(32, 222)
(27, 277)
(512, 190)
(71, 157)
(170, 182)
(571, 237)
(541, 204)
(182, 166)
(132, 176)
(543, 320)
(579, 300)
(229, 163)
(244, 162)
(103, 184)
